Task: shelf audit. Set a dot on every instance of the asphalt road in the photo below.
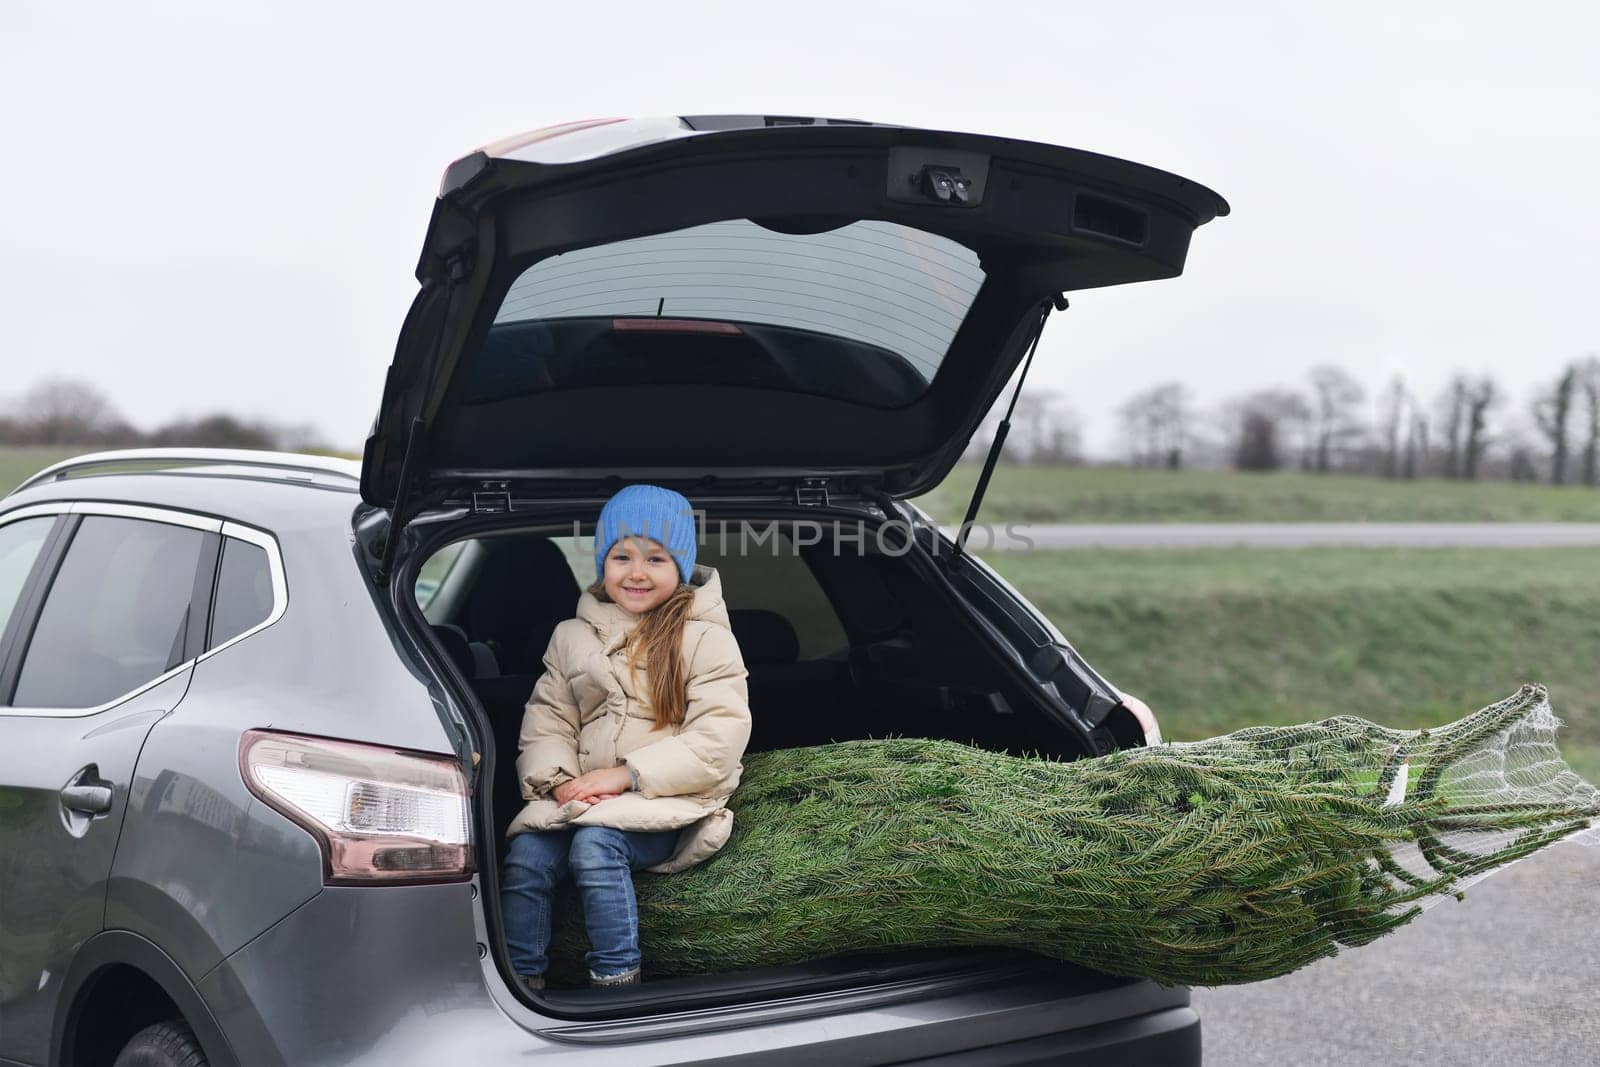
(1507, 976)
(1001, 537)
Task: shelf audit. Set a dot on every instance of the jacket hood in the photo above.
(613, 622)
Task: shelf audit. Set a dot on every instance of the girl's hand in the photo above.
(594, 786)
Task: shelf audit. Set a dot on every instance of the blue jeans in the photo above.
(602, 862)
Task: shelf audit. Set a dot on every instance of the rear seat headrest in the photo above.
(764, 637)
(474, 658)
(454, 640)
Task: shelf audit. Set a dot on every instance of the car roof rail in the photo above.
(238, 462)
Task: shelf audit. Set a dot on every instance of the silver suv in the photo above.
(258, 712)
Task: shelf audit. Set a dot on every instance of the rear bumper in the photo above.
(393, 976)
(1168, 1038)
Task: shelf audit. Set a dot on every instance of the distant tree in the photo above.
(1520, 444)
(1552, 410)
(1481, 396)
(1393, 413)
(1258, 443)
(1062, 444)
(1157, 425)
(1417, 453)
(1262, 421)
(214, 431)
(1522, 463)
(1453, 406)
(1589, 382)
(1044, 429)
(60, 411)
(1336, 395)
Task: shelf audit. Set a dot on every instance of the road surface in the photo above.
(1015, 536)
(1507, 976)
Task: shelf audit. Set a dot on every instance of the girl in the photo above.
(631, 740)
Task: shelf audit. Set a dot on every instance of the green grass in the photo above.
(17, 463)
(1216, 640)
(1103, 494)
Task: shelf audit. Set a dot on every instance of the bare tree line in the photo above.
(1044, 429)
(1468, 431)
(1463, 432)
(67, 412)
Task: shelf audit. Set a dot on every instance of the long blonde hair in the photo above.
(657, 640)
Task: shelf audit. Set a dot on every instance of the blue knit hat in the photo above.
(647, 511)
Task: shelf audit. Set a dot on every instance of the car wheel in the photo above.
(169, 1044)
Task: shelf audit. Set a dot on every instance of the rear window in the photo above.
(244, 591)
(865, 311)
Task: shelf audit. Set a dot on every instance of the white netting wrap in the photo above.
(1513, 770)
(1234, 859)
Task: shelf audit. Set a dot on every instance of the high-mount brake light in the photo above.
(383, 816)
(506, 145)
(703, 326)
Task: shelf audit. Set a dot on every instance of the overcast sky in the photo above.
(205, 207)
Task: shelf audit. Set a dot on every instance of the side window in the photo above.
(434, 572)
(772, 576)
(20, 542)
(244, 591)
(115, 616)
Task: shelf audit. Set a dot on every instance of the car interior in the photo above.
(839, 645)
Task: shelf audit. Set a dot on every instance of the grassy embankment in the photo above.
(1217, 640)
(1081, 494)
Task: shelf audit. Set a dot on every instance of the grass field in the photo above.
(17, 463)
(1100, 494)
(1220, 639)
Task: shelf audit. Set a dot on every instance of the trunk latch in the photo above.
(493, 499)
(811, 492)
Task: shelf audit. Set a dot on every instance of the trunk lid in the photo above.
(744, 299)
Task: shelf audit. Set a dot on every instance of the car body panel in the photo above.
(329, 667)
(52, 877)
(290, 971)
(1026, 222)
(441, 1003)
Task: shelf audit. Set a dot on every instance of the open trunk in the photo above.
(847, 630)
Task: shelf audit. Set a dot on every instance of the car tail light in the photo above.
(1146, 718)
(383, 816)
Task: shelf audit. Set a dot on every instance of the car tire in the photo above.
(168, 1044)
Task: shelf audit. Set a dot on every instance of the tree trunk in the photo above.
(1591, 404)
(1458, 405)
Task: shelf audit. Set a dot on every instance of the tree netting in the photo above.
(1235, 859)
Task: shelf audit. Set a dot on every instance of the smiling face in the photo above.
(640, 574)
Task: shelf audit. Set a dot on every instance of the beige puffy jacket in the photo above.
(586, 712)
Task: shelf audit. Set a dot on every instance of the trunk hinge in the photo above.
(1058, 303)
(811, 492)
(493, 498)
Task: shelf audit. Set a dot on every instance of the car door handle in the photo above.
(87, 799)
(84, 796)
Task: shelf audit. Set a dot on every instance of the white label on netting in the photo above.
(1397, 788)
